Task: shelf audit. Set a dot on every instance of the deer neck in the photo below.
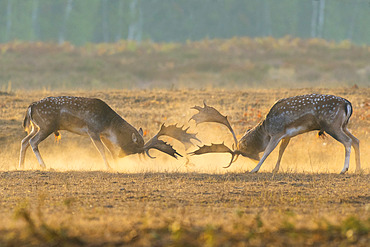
(254, 141)
(118, 122)
(120, 132)
(119, 125)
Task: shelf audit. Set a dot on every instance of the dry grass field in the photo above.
(232, 63)
(191, 201)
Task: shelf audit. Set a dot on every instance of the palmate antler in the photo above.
(217, 148)
(210, 114)
(173, 131)
(179, 134)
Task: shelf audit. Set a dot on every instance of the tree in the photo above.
(62, 32)
(8, 20)
(136, 21)
(352, 22)
(35, 25)
(318, 17)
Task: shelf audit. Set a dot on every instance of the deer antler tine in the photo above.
(160, 145)
(234, 136)
(147, 153)
(236, 158)
(162, 126)
(232, 160)
(178, 155)
(178, 133)
(196, 108)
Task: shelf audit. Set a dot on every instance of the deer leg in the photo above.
(283, 145)
(109, 146)
(356, 146)
(100, 147)
(270, 147)
(24, 146)
(35, 141)
(341, 137)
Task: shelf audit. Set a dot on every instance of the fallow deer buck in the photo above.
(94, 118)
(287, 118)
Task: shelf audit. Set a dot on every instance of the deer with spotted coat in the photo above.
(94, 118)
(287, 118)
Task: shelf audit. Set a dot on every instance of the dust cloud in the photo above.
(305, 154)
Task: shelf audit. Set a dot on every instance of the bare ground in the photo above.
(155, 209)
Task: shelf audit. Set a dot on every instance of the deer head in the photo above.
(287, 118)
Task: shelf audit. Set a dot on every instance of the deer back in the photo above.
(71, 113)
(304, 113)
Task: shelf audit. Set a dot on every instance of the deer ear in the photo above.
(141, 131)
(134, 138)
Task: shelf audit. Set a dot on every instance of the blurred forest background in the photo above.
(82, 21)
(94, 44)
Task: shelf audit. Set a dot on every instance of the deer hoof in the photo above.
(254, 171)
(344, 171)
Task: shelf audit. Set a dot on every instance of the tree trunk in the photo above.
(353, 21)
(314, 18)
(105, 21)
(64, 25)
(8, 20)
(267, 18)
(140, 25)
(120, 21)
(321, 18)
(136, 23)
(35, 26)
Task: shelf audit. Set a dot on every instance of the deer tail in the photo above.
(27, 120)
(348, 111)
